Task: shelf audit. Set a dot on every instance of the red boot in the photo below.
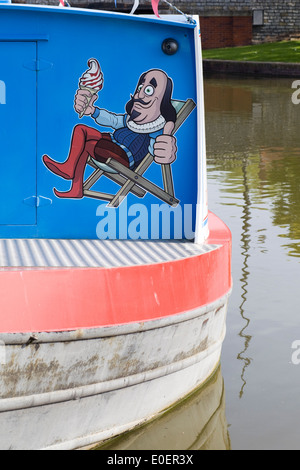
(76, 190)
(83, 138)
(65, 170)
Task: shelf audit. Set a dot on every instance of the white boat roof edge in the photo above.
(180, 20)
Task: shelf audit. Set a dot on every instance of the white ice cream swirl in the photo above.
(93, 77)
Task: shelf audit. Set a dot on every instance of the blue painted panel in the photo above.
(17, 134)
(125, 47)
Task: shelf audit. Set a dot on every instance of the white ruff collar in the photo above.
(148, 128)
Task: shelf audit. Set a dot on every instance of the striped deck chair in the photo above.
(133, 180)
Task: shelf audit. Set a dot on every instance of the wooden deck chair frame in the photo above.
(133, 180)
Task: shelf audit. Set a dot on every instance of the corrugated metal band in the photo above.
(94, 253)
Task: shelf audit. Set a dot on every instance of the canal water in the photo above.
(253, 159)
(253, 151)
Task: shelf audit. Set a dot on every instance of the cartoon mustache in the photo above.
(139, 100)
(133, 114)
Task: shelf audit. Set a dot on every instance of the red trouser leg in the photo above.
(84, 139)
(83, 143)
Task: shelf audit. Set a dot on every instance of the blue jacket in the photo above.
(136, 144)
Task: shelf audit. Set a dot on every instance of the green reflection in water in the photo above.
(254, 122)
(253, 154)
(196, 423)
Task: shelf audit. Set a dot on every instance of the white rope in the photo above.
(188, 18)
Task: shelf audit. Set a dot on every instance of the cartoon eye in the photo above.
(140, 87)
(149, 90)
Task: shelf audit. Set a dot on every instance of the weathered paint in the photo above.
(79, 366)
(200, 417)
(62, 392)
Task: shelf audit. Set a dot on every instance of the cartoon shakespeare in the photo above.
(146, 128)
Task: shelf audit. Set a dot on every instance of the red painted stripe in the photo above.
(66, 299)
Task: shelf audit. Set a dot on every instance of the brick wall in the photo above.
(226, 31)
(281, 19)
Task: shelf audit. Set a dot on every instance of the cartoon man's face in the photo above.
(148, 97)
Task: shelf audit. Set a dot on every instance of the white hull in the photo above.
(73, 389)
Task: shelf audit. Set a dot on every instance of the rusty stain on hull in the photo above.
(98, 371)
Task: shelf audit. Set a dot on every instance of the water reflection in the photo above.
(281, 168)
(255, 121)
(245, 245)
(253, 152)
(197, 423)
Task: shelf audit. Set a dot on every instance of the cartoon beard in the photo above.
(133, 115)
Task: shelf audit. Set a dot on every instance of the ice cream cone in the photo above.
(91, 80)
(93, 92)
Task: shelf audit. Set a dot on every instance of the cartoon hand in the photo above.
(84, 102)
(165, 147)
